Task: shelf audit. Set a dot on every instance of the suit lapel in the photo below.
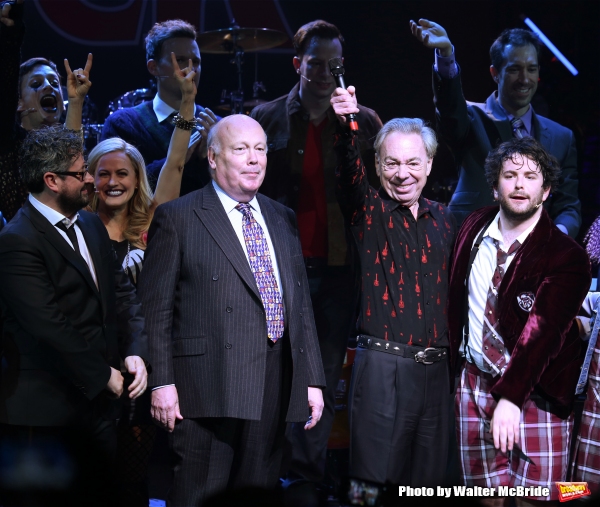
(280, 238)
(59, 243)
(534, 247)
(210, 211)
(501, 121)
(92, 240)
(540, 132)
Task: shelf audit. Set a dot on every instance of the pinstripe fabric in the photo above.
(205, 319)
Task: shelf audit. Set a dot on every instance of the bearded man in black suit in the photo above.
(69, 317)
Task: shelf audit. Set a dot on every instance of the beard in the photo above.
(71, 203)
(523, 213)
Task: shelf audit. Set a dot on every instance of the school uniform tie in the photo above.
(493, 345)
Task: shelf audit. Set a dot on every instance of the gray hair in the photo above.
(408, 126)
(48, 149)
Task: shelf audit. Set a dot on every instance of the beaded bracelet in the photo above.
(183, 124)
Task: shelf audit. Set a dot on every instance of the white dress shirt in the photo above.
(162, 110)
(480, 281)
(235, 217)
(54, 217)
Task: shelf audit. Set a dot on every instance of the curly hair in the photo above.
(515, 149)
(48, 149)
(517, 37)
(592, 241)
(139, 215)
(166, 30)
(318, 28)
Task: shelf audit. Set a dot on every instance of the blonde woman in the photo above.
(123, 200)
(125, 204)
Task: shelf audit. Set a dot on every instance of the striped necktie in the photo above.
(518, 128)
(493, 345)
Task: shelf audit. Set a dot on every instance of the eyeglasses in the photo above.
(80, 175)
(394, 167)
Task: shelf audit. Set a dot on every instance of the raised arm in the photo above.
(168, 186)
(453, 122)
(352, 182)
(78, 86)
(432, 36)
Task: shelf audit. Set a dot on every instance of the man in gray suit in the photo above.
(230, 323)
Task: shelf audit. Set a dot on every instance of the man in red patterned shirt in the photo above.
(399, 417)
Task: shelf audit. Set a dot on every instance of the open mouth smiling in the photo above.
(115, 193)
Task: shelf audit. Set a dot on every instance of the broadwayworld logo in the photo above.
(572, 490)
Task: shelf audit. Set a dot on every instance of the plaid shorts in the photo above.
(587, 455)
(543, 450)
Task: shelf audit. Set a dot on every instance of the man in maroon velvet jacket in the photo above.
(516, 331)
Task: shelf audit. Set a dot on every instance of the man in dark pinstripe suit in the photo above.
(221, 387)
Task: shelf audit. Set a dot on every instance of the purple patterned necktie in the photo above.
(262, 268)
(493, 345)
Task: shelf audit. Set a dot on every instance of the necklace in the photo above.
(126, 268)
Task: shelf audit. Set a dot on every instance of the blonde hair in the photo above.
(139, 214)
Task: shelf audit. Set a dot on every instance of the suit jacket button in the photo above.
(298, 283)
(228, 345)
(301, 350)
(229, 309)
(215, 277)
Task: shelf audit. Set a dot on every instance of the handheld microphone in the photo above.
(337, 71)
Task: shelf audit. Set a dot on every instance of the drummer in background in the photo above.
(149, 126)
(30, 98)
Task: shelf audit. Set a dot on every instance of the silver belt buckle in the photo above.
(420, 356)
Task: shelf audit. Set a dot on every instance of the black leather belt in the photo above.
(429, 355)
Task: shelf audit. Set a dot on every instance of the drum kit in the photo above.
(234, 41)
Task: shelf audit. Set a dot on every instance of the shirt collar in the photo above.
(162, 110)
(493, 231)
(392, 204)
(527, 118)
(50, 214)
(229, 204)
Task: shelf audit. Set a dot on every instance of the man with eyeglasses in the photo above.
(70, 316)
(400, 385)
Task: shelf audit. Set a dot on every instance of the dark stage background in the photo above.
(390, 69)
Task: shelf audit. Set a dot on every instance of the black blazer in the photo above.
(472, 130)
(205, 320)
(60, 332)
